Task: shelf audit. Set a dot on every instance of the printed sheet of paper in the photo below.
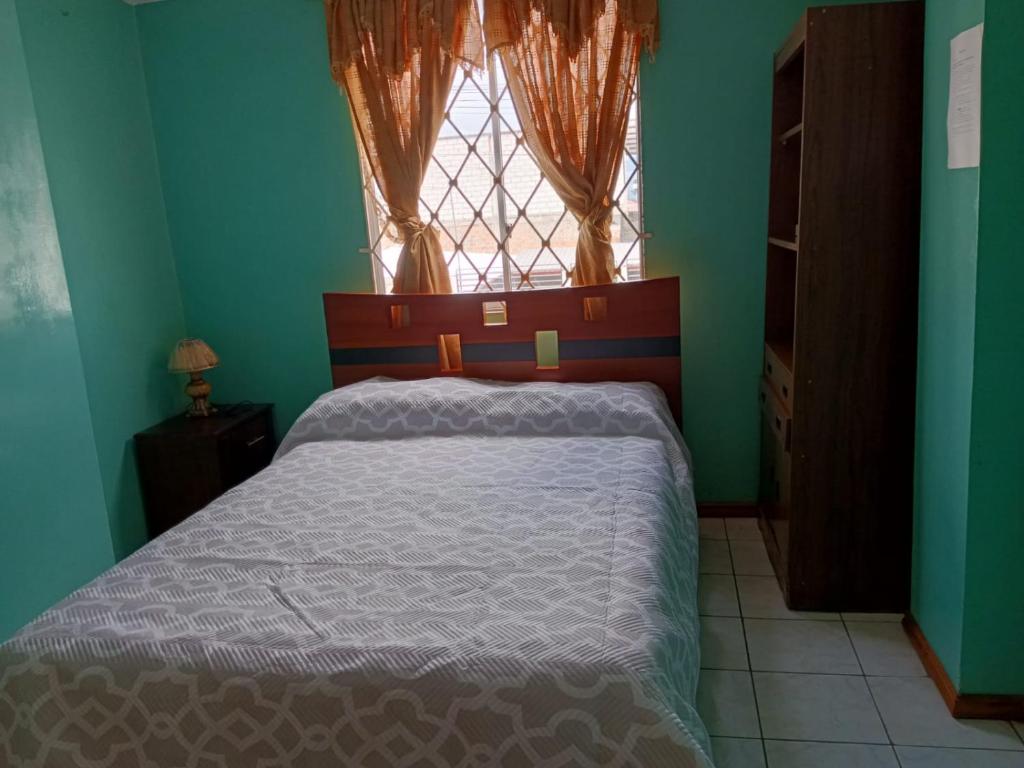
(963, 123)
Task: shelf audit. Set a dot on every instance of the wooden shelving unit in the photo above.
(837, 396)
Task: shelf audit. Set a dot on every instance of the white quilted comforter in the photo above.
(444, 573)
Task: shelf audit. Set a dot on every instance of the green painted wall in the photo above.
(258, 177)
(265, 213)
(53, 532)
(262, 187)
(968, 594)
(706, 123)
(90, 94)
(949, 257)
(994, 599)
(706, 202)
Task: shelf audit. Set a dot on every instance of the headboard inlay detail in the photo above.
(622, 332)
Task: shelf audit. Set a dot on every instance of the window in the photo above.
(502, 225)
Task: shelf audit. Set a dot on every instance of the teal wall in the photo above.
(706, 128)
(86, 74)
(968, 593)
(53, 532)
(949, 259)
(994, 600)
(706, 203)
(263, 197)
(174, 129)
(262, 187)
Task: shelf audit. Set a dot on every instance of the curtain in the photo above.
(571, 67)
(397, 60)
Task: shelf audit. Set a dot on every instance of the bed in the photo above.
(438, 572)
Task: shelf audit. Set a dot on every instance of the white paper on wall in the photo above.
(963, 123)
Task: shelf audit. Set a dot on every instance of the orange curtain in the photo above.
(571, 67)
(397, 60)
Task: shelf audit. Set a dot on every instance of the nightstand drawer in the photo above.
(247, 450)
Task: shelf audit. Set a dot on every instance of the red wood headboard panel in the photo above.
(637, 340)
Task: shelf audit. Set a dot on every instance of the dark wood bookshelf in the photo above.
(838, 388)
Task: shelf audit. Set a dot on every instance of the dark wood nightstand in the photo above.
(185, 463)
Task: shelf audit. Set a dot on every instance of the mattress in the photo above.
(439, 573)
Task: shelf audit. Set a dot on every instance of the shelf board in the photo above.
(793, 132)
(794, 44)
(787, 244)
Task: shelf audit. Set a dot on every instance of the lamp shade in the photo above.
(191, 355)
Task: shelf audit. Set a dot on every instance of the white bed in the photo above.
(436, 573)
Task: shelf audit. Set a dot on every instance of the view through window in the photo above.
(502, 225)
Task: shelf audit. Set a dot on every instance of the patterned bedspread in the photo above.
(444, 573)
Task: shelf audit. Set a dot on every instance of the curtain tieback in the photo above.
(600, 222)
(412, 227)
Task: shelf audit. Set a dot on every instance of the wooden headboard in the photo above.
(622, 332)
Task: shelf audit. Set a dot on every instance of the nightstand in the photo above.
(185, 463)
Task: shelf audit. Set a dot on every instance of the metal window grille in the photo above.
(502, 225)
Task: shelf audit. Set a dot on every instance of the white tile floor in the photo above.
(787, 689)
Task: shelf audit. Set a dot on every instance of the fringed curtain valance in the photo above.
(571, 67)
(573, 21)
(396, 60)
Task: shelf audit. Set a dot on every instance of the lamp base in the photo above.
(199, 390)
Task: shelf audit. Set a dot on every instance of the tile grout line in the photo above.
(746, 646)
(886, 744)
(841, 743)
(834, 674)
(860, 663)
(871, 693)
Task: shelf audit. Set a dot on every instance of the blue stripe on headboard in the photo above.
(584, 349)
(609, 349)
(385, 356)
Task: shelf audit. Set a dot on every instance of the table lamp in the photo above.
(193, 356)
